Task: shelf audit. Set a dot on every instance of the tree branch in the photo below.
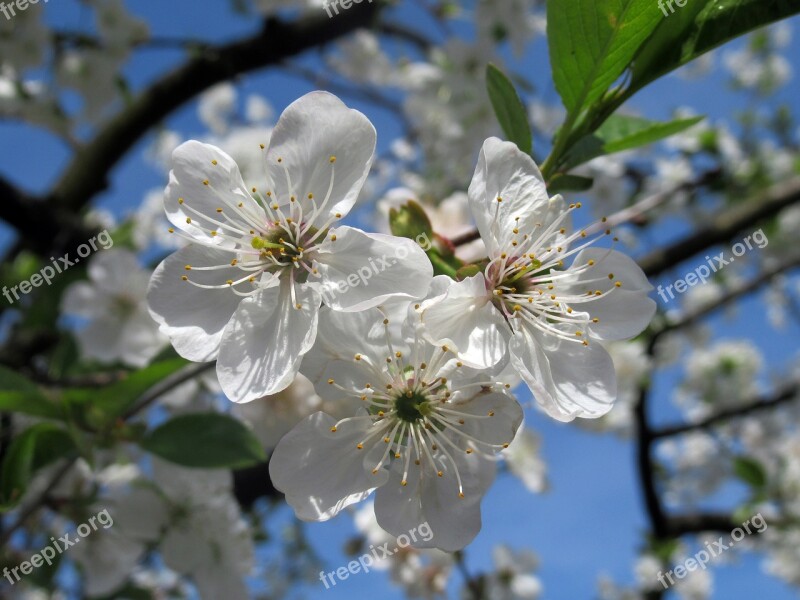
(786, 393)
(88, 172)
(724, 227)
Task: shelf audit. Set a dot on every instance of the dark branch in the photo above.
(88, 173)
(723, 228)
(783, 395)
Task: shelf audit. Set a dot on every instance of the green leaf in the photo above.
(570, 183)
(18, 394)
(750, 471)
(620, 133)
(410, 221)
(699, 27)
(592, 42)
(35, 448)
(509, 109)
(205, 440)
(107, 403)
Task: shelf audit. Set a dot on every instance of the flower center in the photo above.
(412, 406)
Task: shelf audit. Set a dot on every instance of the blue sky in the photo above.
(591, 520)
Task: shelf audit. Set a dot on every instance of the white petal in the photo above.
(193, 318)
(310, 131)
(192, 165)
(262, 346)
(465, 319)
(339, 337)
(505, 172)
(82, 299)
(434, 501)
(498, 429)
(321, 471)
(627, 310)
(362, 270)
(567, 379)
(117, 271)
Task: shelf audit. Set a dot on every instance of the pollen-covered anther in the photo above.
(332, 159)
(331, 381)
(333, 429)
(229, 282)
(360, 446)
(184, 278)
(188, 267)
(180, 200)
(440, 473)
(205, 181)
(404, 483)
(618, 284)
(357, 357)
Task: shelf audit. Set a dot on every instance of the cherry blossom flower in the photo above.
(247, 290)
(118, 326)
(426, 437)
(551, 315)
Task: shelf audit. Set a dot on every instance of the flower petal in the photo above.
(362, 270)
(321, 471)
(203, 179)
(567, 379)
(627, 310)
(465, 319)
(431, 500)
(505, 172)
(193, 318)
(312, 130)
(499, 428)
(262, 346)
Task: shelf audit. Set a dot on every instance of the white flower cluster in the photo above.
(418, 366)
